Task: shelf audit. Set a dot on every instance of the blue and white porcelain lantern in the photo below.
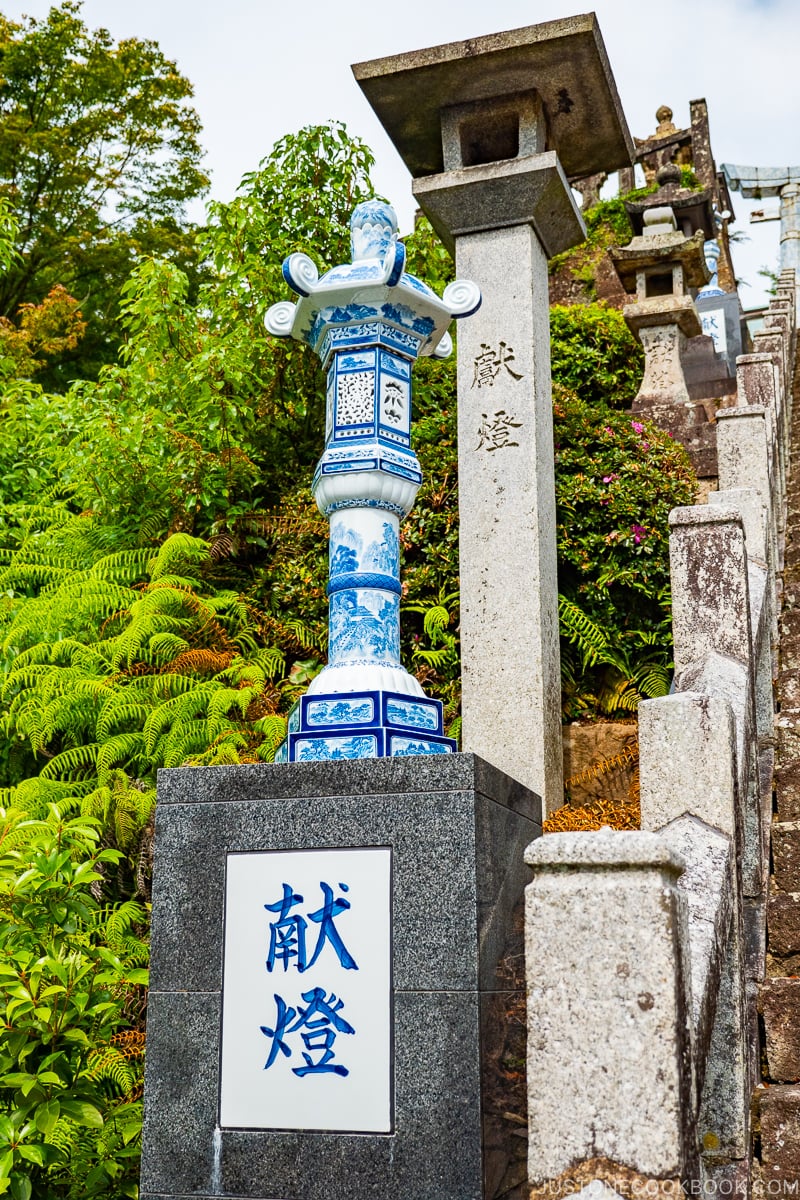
(368, 320)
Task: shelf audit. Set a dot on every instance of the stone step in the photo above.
(779, 1004)
(787, 792)
(786, 855)
(787, 734)
(788, 688)
(783, 923)
(790, 623)
(779, 1108)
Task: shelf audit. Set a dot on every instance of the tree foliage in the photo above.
(616, 480)
(99, 154)
(594, 354)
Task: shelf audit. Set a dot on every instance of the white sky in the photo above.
(262, 68)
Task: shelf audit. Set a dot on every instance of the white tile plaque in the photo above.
(713, 325)
(306, 1010)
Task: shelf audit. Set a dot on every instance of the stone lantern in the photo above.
(491, 130)
(661, 265)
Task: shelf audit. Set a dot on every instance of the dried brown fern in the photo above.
(618, 814)
(200, 661)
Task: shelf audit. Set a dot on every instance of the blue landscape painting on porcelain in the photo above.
(341, 710)
(405, 747)
(368, 320)
(364, 623)
(349, 555)
(400, 726)
(313, 749)
(414, 714)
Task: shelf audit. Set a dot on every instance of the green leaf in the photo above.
(82, 1113)
(46, 1116)
(21, 1187)
(33, 1153)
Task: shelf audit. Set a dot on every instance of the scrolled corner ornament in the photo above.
(280, 318)
(462, 297)
(301, 273)
(368, 320)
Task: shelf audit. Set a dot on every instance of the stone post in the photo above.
(608, 1011)
(772, 341)
(758, 386)
(708, 570)
(790, 227)
(687, 755)
(743, 462)
(712, 638)
(490, 129)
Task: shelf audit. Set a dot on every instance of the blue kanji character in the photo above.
(286, 1014)
(321, 1033)
(321, 1021)
(287, 935)
(328, 932)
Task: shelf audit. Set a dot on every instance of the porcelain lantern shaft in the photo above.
(368, 320)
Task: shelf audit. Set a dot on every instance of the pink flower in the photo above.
(610, 478)
(608, 429)
(637, 427)
(637, 531)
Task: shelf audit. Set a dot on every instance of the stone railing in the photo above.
(644, 949)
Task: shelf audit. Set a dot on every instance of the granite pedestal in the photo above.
(456, 828)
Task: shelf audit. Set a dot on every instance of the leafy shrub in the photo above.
(594, 354)
(616, 480)
(71, 995)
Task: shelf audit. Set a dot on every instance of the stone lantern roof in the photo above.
(564, 62)
(693, 209)
(650, 251)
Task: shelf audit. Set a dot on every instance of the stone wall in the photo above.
(645, 950)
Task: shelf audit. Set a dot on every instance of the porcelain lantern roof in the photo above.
(372, 288)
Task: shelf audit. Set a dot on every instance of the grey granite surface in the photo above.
(457, 828)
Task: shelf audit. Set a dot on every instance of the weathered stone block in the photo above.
(608, 1021)
(708, 567)
(790, 622)
(783, 923)
(788, 689)
(786, 855)
(788, 740)
(787, 792)
(780, 1138)
(742, 450)
(687, 761)
(779, 1000)
(757, 380)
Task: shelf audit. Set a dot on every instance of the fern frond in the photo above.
(580, 630)
(70, 762)
(180, 548)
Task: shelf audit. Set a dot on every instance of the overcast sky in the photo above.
(262, 68)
